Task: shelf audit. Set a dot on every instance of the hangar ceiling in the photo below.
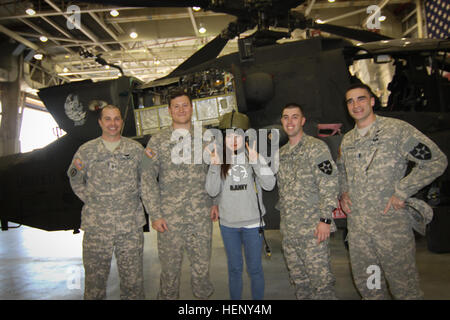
(165, 36)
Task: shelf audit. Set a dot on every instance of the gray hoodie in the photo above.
(236, 194)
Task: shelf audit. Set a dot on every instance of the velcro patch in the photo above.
(326, 167)
(150, 153)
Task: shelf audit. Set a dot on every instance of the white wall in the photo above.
(37, 130)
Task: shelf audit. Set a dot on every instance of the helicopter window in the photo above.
(164, 117)
(207, 110)
(150, 118)
(226, 104)
(212, 92)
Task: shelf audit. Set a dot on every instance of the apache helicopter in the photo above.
(314, 73)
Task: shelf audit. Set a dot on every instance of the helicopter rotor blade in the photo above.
(212, 49)
(355, 34)
(206, 53)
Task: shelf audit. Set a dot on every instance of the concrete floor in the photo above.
(41, 265)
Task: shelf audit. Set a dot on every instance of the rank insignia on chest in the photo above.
(112, 166)
(150, 153)
(326, 167)
(421, 152)
(375, 139)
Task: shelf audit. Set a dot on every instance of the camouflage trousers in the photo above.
(196, 240)
(97, 254)
(309, 267)
(388, 255)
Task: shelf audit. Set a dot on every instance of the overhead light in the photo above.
(331, 1)
(38, 56)
(202, 29)
(30, 12)
(196, 8)
(157, 62)
(114, 12)
(382, 18)
(43, 38)
(65, 69)
(319, 21)
(107, 67)
(133, 35)
(32, 91)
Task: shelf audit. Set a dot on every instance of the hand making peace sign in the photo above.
(252, 153)
(215, 158)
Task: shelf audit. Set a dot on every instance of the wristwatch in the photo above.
(324, 220)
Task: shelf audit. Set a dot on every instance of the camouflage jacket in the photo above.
(307, 186)
(171, 190)
(372, 169)
(109, 185)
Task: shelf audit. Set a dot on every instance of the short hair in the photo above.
(293, 105)
(179, 92)
(360, 86)
(108, 106)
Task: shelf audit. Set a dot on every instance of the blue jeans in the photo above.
(233, 239)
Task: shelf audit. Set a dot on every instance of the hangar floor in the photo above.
(40, 265)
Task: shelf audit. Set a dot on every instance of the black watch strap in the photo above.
(324, 220)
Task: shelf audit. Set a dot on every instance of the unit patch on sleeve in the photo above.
(326, 167)
(421, 152)
(78, 164)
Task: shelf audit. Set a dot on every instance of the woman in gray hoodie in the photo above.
(237, 184)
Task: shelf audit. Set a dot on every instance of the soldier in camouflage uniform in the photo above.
(308, 190)
(372, 163)
(105, 175)
(179, 207)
